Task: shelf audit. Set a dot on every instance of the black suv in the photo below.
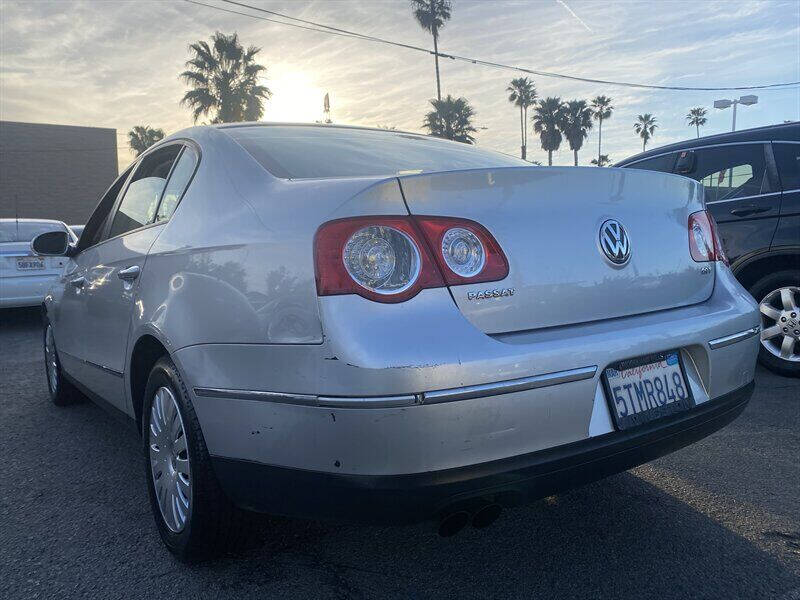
(752, 185)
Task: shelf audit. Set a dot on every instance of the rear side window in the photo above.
(139, 204)
(663, 163)
(787, 158)
(178, 181)
(730, 172)
(297, 152)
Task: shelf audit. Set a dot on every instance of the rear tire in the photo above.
(62, 392)
(761, 290)
(200, 521)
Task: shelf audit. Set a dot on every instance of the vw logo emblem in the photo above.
(614, 242)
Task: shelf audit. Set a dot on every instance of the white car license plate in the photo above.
(647, 388)
(30, 263)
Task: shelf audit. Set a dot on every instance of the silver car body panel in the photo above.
(343, 384)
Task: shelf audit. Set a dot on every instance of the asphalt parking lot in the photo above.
(719, 519)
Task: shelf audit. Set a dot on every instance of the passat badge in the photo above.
(495, 293)
(614, 242)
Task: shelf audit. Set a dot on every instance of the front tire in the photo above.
(62, 392)
(194, 517)
(778, 295)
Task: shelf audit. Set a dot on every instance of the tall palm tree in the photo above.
(522, 93)
(548, 122)
(601, 161)
(451, 118)
(645, 127)
(577, 123)
(697, 117)
(601, 110)
(431, 16)
(224, 80)
(141, 137)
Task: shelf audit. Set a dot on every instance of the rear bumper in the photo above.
(510, 481)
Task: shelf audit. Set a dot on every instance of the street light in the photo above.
(746, 100)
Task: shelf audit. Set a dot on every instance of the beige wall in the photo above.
(54, 171)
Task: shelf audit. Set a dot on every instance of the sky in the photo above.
(117, 63)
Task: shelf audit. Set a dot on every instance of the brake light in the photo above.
(393, 258)
(465, 250)
(704, 241)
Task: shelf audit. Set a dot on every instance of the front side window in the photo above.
(178, 181)
(139, 204)
(93, 231)
(730, 172)
(787, 158)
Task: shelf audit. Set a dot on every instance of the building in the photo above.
(54, 171)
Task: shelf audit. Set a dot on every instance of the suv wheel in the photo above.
(62, 392)
(194, 517)
(778, 295)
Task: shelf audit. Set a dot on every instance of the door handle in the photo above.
(77, 282)
(746, 211)
(130, 273)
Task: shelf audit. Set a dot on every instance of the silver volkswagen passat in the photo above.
(339, 322)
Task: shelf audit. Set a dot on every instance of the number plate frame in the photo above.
(31, 259)
(652, 414)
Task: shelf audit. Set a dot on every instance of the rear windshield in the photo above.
(24, 231)
(297, 152)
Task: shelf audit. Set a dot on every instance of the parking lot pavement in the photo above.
(719, 519)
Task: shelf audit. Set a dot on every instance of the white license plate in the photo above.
(30, 263)
(647, 388)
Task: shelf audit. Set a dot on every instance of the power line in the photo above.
(321, 28)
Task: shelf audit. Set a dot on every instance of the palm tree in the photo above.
(451, 118)
(548, 122)
(601, 109)
(224, 80)
(577, 123)
(522, 93)
(645, 127)
(141, 137)
(601, 161)
(697, 117)
(431, 16)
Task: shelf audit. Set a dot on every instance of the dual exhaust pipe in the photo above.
(454, 522)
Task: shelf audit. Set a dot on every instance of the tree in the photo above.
(577, 123)
(224, 81)
(601, 161)
(645, 127)
(451, 119)
(548, 122)
(601, 110)
(141, 137)
(431, 16)
(522, 93)
(697, 118)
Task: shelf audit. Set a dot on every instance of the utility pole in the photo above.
(746, 100)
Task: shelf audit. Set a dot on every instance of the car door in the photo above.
(741, 193)
(111, 270)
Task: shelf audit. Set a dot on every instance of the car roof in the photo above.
(783, 132)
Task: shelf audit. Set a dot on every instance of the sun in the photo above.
(295, 97)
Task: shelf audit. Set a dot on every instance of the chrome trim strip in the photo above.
(378, 402)
(733, 338)
(304, 399)
(685, 148)
(507, 387)
(744, 197)
(104, 368)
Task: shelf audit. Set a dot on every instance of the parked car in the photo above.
(337, 322)
(25, 277)
(751, 180)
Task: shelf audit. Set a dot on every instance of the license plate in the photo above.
(647, 388)
(30, 263)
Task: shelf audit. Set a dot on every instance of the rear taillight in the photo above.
(704, 242)
(392, 258)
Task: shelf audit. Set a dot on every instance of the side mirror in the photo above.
(51, 243)
(686, 162)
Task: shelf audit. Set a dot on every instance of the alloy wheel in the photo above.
(169, 460)
(780, 323)
(50, 361)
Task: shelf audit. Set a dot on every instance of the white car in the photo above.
(25, 277)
